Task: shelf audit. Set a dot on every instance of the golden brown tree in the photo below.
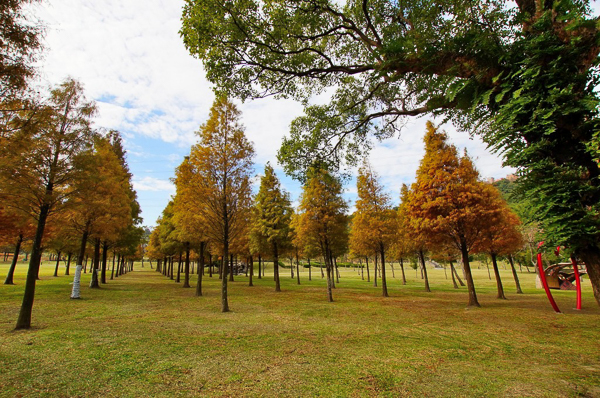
(448, 203)
(273, 217)
(375, 224)
(322, 217)
(223, 162)
(38, 165)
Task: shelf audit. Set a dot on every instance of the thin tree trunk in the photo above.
(368, 272)
(68, 263)
(210, 265)
(75, 292)
(375, 272)
(309, 270)
(112, 272)
(276, 267)
(95, 263)
(259, 267)
(13, 264)
(515, 276)
(104, 260)
(57, 264)
(402, 268)
(231, 268)
(186, 280)
(392, 267)
(452, 271)
(488, 269)
(329, 270)
(200, 270)
(251, 273)
(457, 276)
(424, 270)
(468, 276)
(383, 280)
(179, 268)
(500, 294)
(297, 267)
(337, 271)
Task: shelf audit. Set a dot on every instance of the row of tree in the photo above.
(522, 75)
(448, 212)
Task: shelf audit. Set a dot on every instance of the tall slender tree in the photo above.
(223, 161)
(374, 222)
(323, 217)
(274, 215)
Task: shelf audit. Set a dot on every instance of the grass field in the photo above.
(144, 335)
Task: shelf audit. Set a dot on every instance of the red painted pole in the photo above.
(545, 283)
(577, 282)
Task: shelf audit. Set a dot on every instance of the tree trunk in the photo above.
(402, 268)
(292, 267)
(375, 272)
(328, 267)
(179, 268)
(186, 279)
(456, 274)
(424, 270)
(251, 273)
(337, 271)
(452, 271)
(112, 272)
(68, 263)
(297, 267)
(515, 276)
(383, 280)
(57, 264)
(259, 266)
(591, 257)
(392, 267)
(104, 260)
(500, 294)
(468, 276)
(200, 269)
(95, 263)
(13, 264)
(368, 272)
(309, 271)
(332, 270)
(171, 268)
(75, 292)
(276, 267)
(210, 265)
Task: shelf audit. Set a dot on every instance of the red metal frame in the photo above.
(577, 281)
(545, 282)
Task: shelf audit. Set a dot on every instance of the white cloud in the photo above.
(153, 184)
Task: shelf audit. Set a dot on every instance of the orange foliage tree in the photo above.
(448, 203)
(322, 217)
(222, 160)
(374, 225)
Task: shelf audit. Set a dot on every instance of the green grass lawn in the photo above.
(144, 335)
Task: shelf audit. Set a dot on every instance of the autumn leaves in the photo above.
(447, 211)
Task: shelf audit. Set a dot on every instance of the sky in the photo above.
(131, 60)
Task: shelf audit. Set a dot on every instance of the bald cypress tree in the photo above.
(273, 217)
(447, 203)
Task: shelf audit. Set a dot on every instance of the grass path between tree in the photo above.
(145, 335)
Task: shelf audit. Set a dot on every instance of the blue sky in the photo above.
(131, 60)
